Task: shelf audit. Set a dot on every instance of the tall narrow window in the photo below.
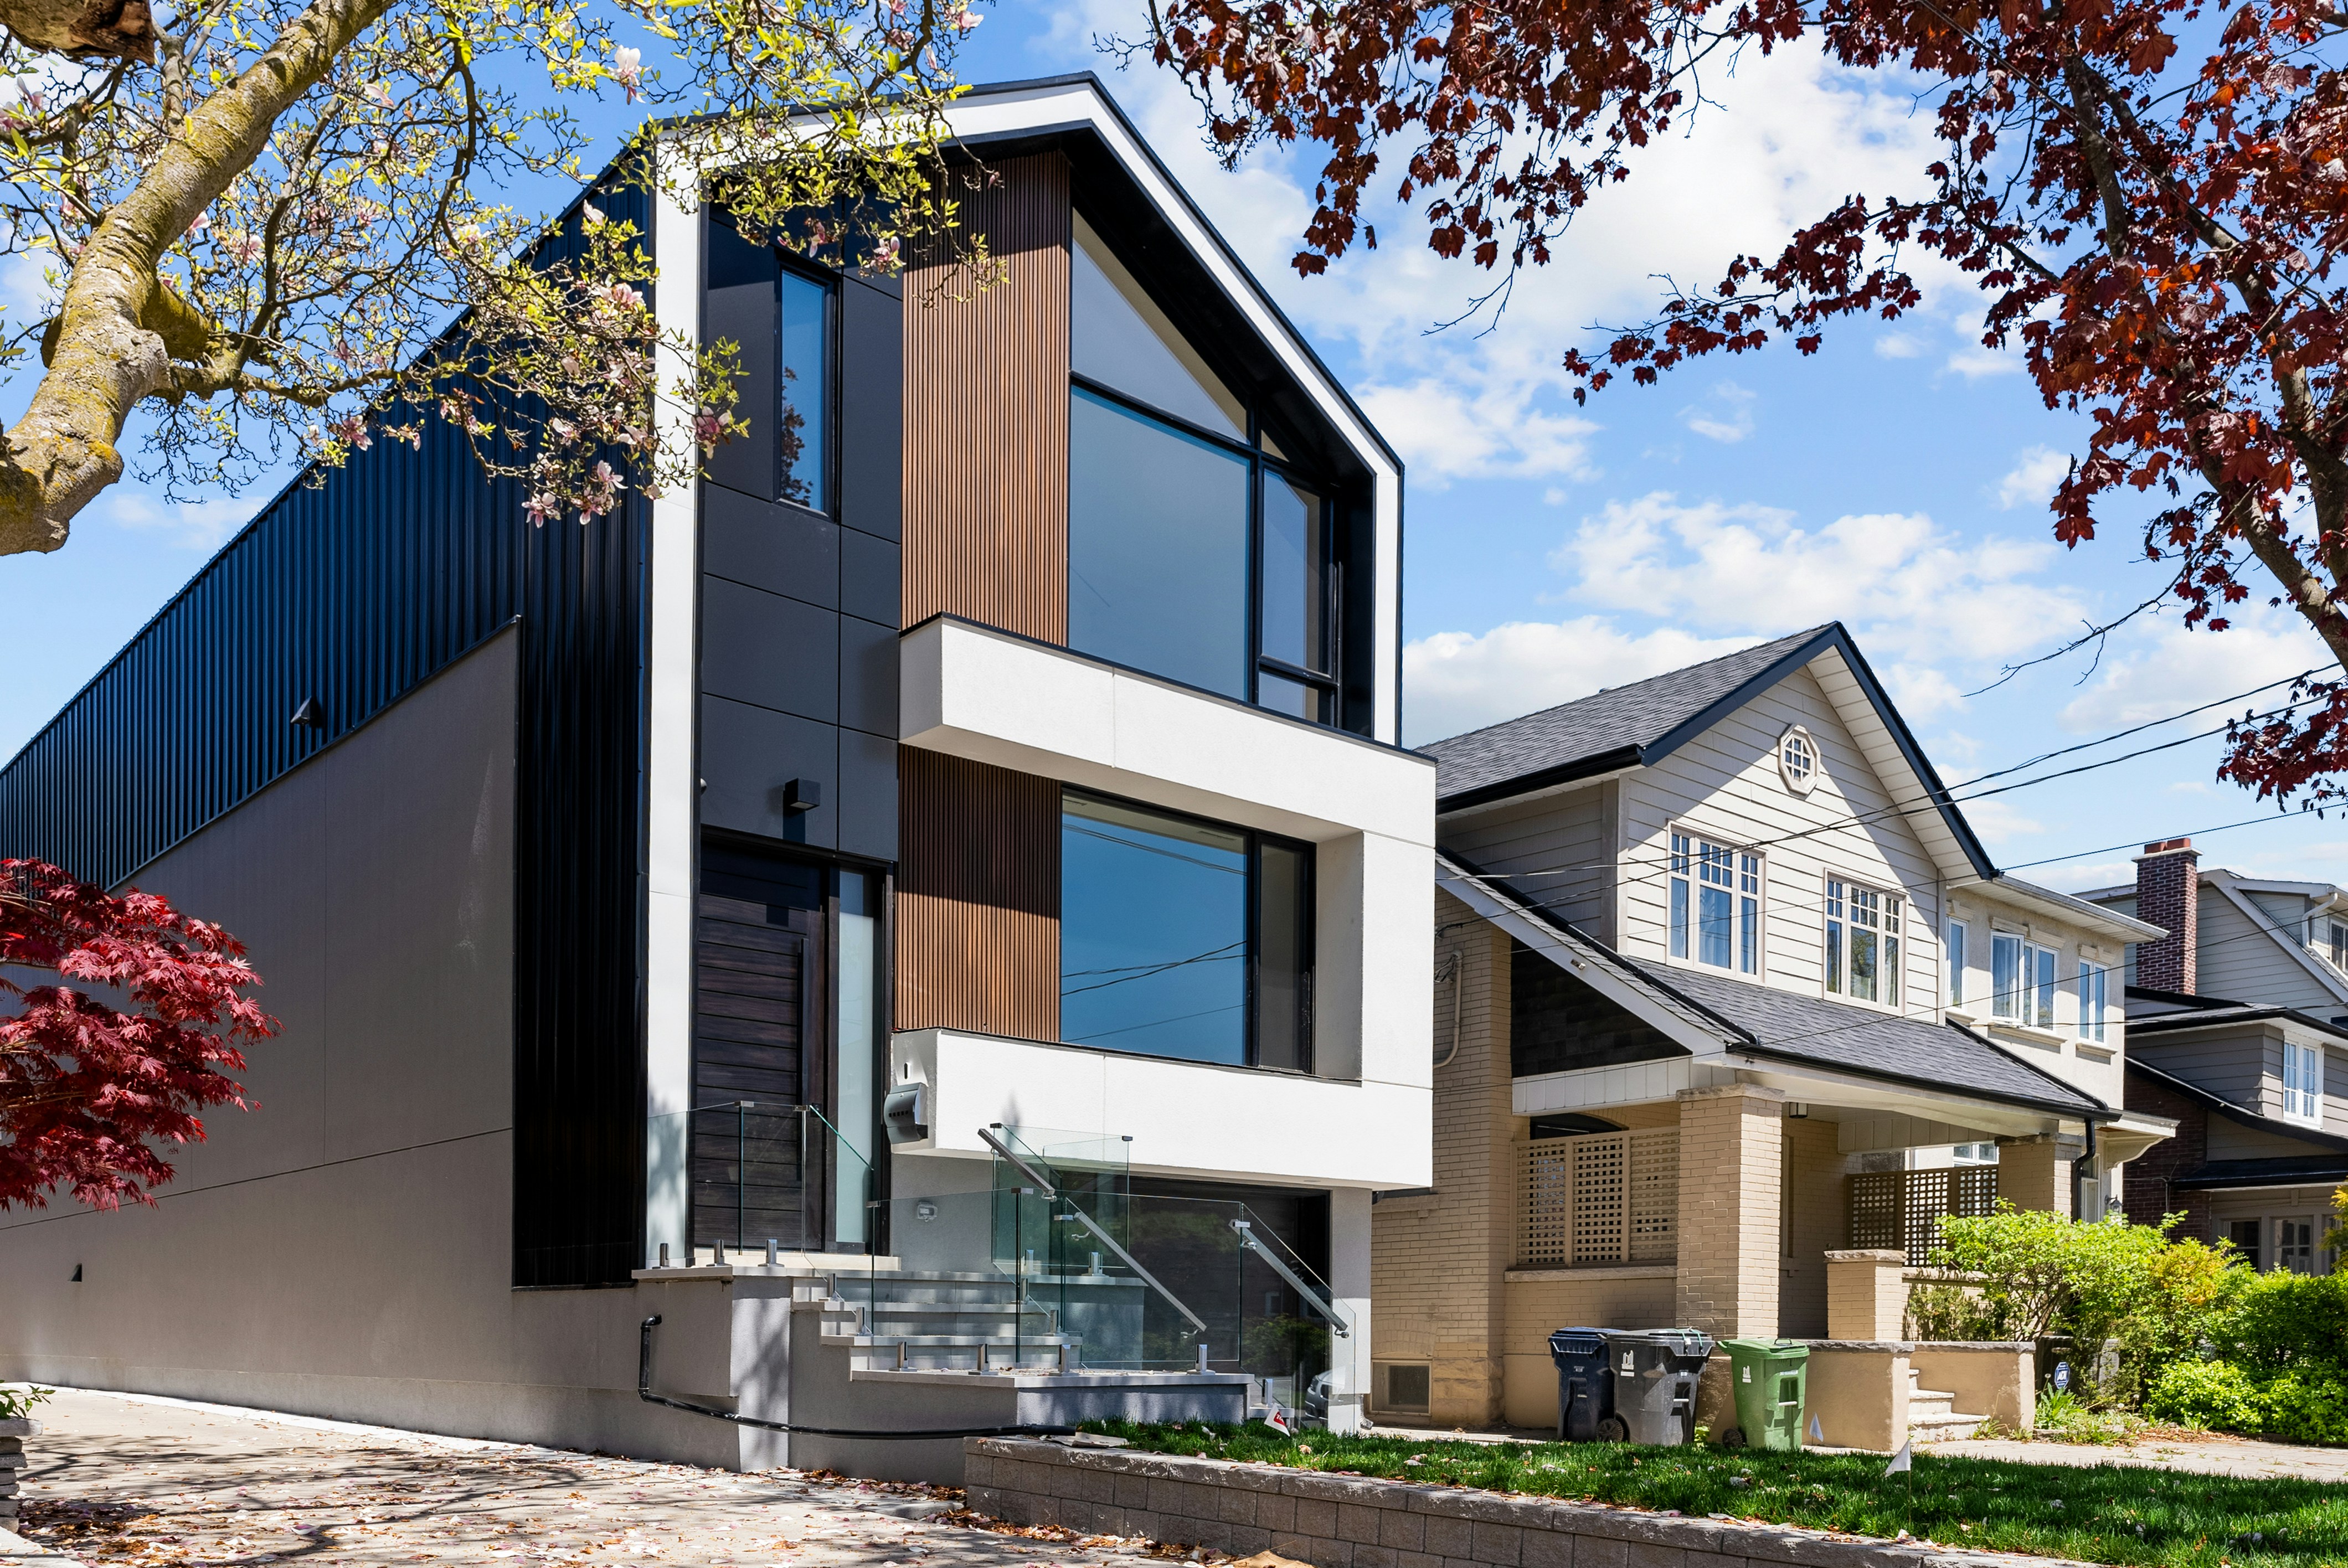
(780, 320)
(2339, 944)
(856, 1105)
(1862, 942)
(1183, 937)
(1716, 903)
(1956, 958)
(1195, 550)
(2042, 986)
(2302, 1083)
(2093, 994)
(2005, 977)
(2295, 1244)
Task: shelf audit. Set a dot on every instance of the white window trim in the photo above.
(1956, 954)
(1677, 876)
(2094, 1030)
(1897, 968)
(2024, 1020)
(1801, 784)
(2293, 1093)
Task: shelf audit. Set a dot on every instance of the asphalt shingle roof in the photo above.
(1838, 1034)
(1622, 718)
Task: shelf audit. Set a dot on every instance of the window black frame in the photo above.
(828, 278)
(1261, 465)
(1308, 899)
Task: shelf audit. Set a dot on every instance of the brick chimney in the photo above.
(2168, 895)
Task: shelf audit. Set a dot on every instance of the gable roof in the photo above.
(1747, 1019)
(1639, 724)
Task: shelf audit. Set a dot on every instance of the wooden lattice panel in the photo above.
(1875, 1210)
(1606, 1198)
(1654, 1199)
(1545, 1204)
(1902, 1209)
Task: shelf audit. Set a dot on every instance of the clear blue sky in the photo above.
(1894, 481)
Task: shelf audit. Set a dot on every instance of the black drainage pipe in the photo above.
(645, 1392)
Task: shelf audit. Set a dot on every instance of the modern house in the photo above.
(1716, 954)
(935, 911)
(2239, 1025)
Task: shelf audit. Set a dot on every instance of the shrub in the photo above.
(2306, 1405)
(1948, 1313)
(2282, 1321)
(2212, 1394)
(16, 1402)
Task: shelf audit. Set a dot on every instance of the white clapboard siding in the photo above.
(1559, 846)
(2245, 962)
(1725, 781)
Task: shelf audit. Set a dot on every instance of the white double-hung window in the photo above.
(2095, 991)
(1862, 942)
(2302, 1083)
(2021, 981)
(1715, 896)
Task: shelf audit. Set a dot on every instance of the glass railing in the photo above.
(1161, 1282)
(762, 1177)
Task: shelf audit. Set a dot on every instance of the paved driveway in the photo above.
(2213, 1453)
(123, 1483)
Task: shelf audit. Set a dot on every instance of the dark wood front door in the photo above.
(761, 1016)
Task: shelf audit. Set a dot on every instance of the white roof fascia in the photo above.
(2076, 911)
(1510, 803)
(1050, 106)
(1586, 963)
(2228, 885)
(1912, 797)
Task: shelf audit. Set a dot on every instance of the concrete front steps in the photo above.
(1933, 1417)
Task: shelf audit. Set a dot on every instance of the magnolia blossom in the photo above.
(591, 215)
(627, 65)
(242, 246)
(967, 20)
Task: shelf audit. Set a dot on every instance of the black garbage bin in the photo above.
(1655, 1372)
(1585, 1385)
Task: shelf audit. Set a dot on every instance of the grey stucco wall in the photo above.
(1340, 1522)
(344, 1250)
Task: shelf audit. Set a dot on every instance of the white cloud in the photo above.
(1915, 591)
(1448, 431)
(1921, 690)
(1997, 822)
(1975, 359)
(1457, 681)
(191, 525)
(2032, 477)
(2087, 877)
(2168, 668)
(1729, 417)
(1899, 345)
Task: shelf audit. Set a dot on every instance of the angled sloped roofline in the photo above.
(1831, 638)
(1631, 977)
(2233, 1112)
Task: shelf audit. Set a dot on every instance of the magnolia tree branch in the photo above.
(111, 349)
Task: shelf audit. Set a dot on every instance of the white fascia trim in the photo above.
(1585, 962)
(672, 766)
(1066, 105)
(1882, 748)
(2071, 912)
(2228, 884)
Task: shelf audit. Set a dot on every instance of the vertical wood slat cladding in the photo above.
(978, 897)
(986, 415)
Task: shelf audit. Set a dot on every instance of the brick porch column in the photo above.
(2030, 1176)
(1866, 1294)
(1732, 1165)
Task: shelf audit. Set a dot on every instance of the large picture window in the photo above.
(1183, 937)
(1862, 942)
(1195, 550)
(1715, 900)
(781, 320)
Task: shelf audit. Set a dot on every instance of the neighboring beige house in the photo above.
(2239, 1017)
(1714, 952)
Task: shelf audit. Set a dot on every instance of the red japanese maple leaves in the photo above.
(140, 1035)
(2151, 194)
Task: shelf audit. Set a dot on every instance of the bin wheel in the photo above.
(1734, 1438)
(1614, 1429)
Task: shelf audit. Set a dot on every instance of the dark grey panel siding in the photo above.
(1557, 1024)
(800, 618)
(352, 593)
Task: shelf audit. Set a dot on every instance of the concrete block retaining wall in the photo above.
(1342, 1521)
(13, 1433)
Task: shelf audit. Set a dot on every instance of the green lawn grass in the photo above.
(2110, 1513)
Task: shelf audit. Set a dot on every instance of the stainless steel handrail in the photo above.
(1247, 1240)
(1076, 1212)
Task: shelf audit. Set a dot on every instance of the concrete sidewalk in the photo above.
(126, 1482)
(2212, 1453)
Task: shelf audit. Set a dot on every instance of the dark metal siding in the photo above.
(352, 593)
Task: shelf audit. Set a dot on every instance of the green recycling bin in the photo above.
(1771, 1378)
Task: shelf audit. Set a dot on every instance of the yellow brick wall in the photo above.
(1732, 1169)
(1437, 1261)
(1536, 1306)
